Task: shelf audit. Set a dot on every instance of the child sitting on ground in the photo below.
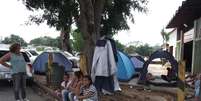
(65, 87)
(88, 91)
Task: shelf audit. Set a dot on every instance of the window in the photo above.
(33, 53)
(2, 53)
(28, 54)
(171, 50)
(26, 58)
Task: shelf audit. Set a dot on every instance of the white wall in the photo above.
(173, 41)
(188, 36)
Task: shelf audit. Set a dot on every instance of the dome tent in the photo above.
(125, 67)
(39, 65)
(158, 54)
(138, 62)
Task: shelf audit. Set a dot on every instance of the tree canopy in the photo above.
(144, 49)
(130, 49)
(77, 41)
(47, 41)
(13, 39)
(165, 36)
(119, 45)
(63, 13)
(93, 18)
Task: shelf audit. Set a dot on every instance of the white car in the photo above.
(73, 59)
(6, 74)
(77, 54)
(32, 54)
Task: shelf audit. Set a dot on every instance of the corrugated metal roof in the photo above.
(186, 14)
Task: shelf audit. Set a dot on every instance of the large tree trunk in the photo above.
(89, 25)
(98, 9)
(65, 40)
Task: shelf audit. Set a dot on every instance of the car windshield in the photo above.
(68, 54)
(26, 58)
(33, 53)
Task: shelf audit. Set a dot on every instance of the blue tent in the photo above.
(125, 67)
(41, 61)
(138, 62)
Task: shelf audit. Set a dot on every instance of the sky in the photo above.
(146, 29)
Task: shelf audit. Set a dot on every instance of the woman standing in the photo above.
(18, 68)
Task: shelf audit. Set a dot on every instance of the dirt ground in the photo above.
(137, 94)
(131, 94)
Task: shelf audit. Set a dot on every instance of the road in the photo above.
(6, 93)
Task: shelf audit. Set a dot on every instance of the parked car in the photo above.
(32, 54)
(73, 59)
(6, 74)
(77, 54)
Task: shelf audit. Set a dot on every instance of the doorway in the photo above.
(188, 51)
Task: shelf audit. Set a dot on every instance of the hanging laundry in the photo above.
(104, 67)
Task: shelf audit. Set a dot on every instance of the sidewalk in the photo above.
(169, 90)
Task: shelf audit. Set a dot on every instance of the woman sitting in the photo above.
(75, 85)
(88, 90)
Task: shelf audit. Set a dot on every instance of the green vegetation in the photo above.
(143, 50)
(13, 39)
(47, 41)
(93, 18)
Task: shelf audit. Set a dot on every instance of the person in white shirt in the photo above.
(65, 85)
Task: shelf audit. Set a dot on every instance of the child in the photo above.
(65, 86)
(88, 91)
(197, 87)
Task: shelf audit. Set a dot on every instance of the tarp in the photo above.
(39, 65)
(125, 67)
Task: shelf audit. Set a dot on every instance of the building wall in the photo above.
(173, 41)
(188, 36)
(196, 63)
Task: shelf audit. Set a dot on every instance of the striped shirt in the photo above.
(91, 89)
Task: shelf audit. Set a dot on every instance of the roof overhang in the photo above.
(186, 14)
